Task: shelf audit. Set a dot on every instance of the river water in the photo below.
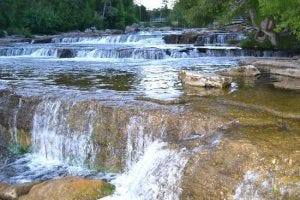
(114, 70)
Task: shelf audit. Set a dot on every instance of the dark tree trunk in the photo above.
(265, 30)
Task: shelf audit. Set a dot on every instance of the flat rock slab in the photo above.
(285, 67)
(69, 188)
(288, 83)
(242, 71)
(198, 79)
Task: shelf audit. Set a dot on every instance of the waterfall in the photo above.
(139, 53)
(30, 51)
(155, 176)
(222, 39)
(54, 137)
(13, 129)
(138, 38)
(44, 52)
(153, 170)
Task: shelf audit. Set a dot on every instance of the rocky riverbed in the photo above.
(116, 110)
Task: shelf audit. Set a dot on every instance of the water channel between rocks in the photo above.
(115, 109)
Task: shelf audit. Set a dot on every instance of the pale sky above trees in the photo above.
(150, 4)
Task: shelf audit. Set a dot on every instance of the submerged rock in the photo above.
(70, 188)
(242, 71)
(288, 83)
(285, 67)
(204, 79)
(285, 70)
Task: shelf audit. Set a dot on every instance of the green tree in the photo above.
(285, 13)
(120, 17)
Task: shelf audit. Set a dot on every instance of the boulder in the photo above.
(204, 79)
(242, 71)
(165, 28)
(188, 37)
(65, 53)
(184, 38)
(42, 40)
(69, 188)
(12, 192)
(132, 29)
(113, 32)
(171, 39)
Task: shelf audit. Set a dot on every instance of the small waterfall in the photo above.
(14, 129)
(138, 38)
(155, 176)
(56, 137)
(143, 53)
(44, 52)
(15, 51)
(184, 53)
(34, 52)
(222, 39)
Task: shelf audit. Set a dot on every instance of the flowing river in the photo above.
(113, 107)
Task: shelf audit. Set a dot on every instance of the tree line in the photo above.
(51, 16)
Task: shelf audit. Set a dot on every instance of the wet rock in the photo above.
(12, 105)
(12, 192)
(285, 67)
(132, 29)
(42, 40)
(69, 188)
(285, 70)
(200, 41)
(184, 38)
(245, 165)
(287, 83)
(65, 53)
(200, 91)
(171, 39)
(242, 71)
(110, 124)
(204, 79)
(113, 31)
(91, 29)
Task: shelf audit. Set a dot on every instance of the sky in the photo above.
(150, 4)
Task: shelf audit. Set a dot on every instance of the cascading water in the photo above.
(137, 38)
(62, 144)
(54, 139)
(30, 51)
(155, 176)
(222, 39)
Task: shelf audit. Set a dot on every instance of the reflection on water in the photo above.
(150, 78)
(117, 80)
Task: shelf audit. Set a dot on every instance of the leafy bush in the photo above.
(284, 42)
